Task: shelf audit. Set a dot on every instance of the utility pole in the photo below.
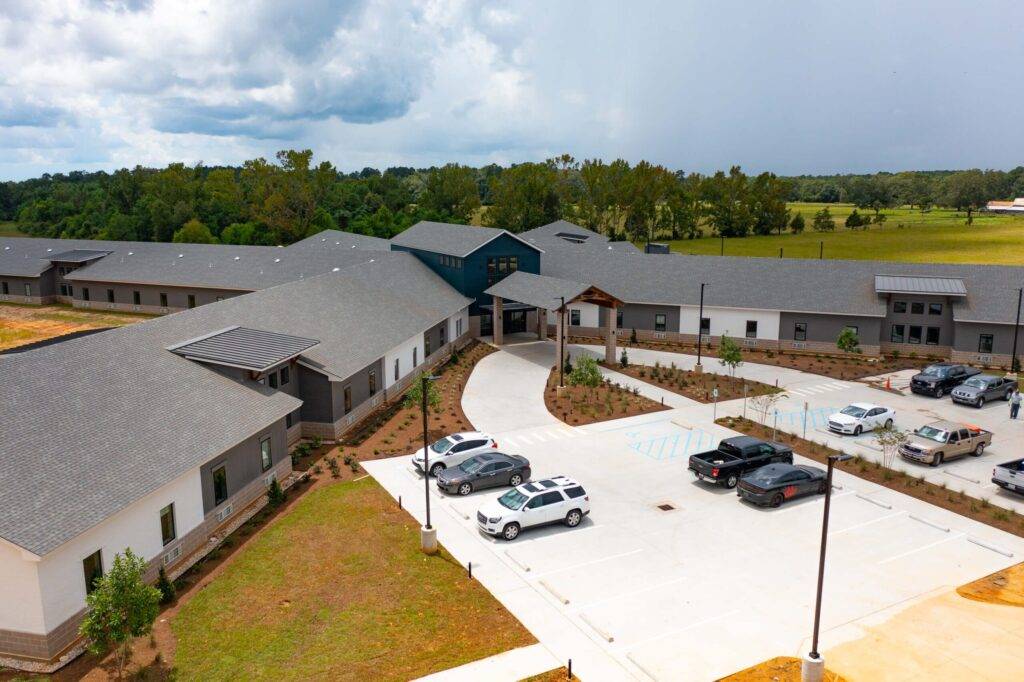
(428, 535)
(700, 328)
(1014, 365)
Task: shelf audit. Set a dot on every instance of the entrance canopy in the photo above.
(546, 292)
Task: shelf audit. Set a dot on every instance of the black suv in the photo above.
(940, 378)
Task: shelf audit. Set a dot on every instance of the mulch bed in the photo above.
(695, 386)
(579, 405)
(834, 366)
(982, 510)
(778, 669)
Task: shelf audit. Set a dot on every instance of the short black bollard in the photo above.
(469, 567)
(570, 670)
(399, 501)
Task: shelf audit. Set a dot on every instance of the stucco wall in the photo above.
(21, 607)
(731, 321)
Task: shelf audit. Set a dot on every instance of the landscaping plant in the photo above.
(730, 354)
(275, 494)
(585, 373)
(166, 587)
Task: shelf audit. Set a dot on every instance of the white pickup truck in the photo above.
(1010, 476)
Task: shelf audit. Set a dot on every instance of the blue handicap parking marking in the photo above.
(670, 446)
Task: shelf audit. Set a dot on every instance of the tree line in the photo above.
(291, 197)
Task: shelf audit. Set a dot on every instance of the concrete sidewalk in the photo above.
(509, 666)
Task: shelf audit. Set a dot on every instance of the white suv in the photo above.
(860, 417)
(453, 450)
(552, 500)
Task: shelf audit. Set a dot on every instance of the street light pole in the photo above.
(1014, 365)
(428, 535)
(813, 666)
(700, 327)
(561, 346)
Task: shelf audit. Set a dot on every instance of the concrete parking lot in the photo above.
(710, 585)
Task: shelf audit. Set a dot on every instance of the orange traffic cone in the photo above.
(888, 383)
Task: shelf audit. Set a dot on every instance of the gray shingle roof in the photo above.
(253, 349)
(129, 416)
(449, 239)
(536, 290)
(900, 284)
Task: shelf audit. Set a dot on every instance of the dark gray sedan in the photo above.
(977, 390)
(773, 484)
(486, 470)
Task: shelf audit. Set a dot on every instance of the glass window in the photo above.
(137, 297)
(705, 326)
(426, 345)
(574, 318)
(575, 492)
(28, 289)
(932, 337)
(915, 334)
(110, 295)
(896, 335)
(502, 265)
(220, 485)
(985, 343)
(660, 321)
(286, 375)
(273, 379)
(443, 329)
(6, 291)
(85, 293)
(853, 329)
(553, 497)
(751, 329)
(415, 360)
(396, 369)
(288, 420)
(266, 461)
(191, 300)
(899, 306)
(92, 567)
(458, 327)
(372, 382)
(800, 331)
(163, 300)
(934, 308)
(535, 502)
(347, 395)
(917, 308)
(618, 318)
(167, 530)
(513, 263)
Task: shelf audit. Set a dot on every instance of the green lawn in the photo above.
(940, 235)
(9, 229)
(338, 589)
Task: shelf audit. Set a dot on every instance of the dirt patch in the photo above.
(699, 387)
(982, 511)
(579, 405)
(25, 324)
(556, 675)
(850, 366)
(1003, 587)
(778, 669)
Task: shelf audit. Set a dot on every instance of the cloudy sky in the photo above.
(784, 85)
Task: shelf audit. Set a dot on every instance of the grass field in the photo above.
(938, 236)
(9, 229)
(23, 324)
(337, 588)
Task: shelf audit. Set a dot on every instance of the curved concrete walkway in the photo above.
(505, 392)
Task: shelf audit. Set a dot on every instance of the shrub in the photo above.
(624, 359)
(632, 336)
(586, 373)
(275, 494)
(166, 587)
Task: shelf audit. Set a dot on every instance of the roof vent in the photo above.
(131, 253)
(7, 248)
(277, 260)
(323, 239)
(49, 250)
(238, 257)
(181, 255)
(337, 243)
(335, 269)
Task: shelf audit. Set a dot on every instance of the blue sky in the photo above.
(788, 86)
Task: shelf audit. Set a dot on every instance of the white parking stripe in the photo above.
(840, 384)
(539, 437)
(510, 441)
(921, 549)
(557, 435)
(591, 563)
(797, 391)
(866, 523)
(526, 439)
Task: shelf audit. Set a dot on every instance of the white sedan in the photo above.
(859, 417)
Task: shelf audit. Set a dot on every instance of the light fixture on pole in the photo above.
(1014, 364)
(700, 329)
(561, 343)
(428, 534)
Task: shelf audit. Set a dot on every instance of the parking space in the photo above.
(671, 579)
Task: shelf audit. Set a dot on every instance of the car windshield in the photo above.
(765, 475)
(935, 370)
(854, 411)
(932, 433)
(976, 382)
(513, 500)
(472, 465)
(441, 446)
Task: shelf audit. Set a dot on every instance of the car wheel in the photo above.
(939, 392)
(573, 518)
(465, 489)
(937, 459)
(888, 423)
(510, 531)
(980, 402)
(857, 430)
(777, 500)
(979, 450)
(515, 480)
(822, 487)
(1008, 395)
(731, 481)
(436, 469)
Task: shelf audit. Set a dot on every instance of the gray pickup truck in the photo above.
(981, 388)
(1010, 476)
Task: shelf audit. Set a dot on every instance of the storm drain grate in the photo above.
(665, 506)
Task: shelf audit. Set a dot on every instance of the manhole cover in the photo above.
(665, 506)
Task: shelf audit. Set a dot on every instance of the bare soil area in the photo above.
(579, 405)
(699, 387)
(1003, 587)
(778, 669)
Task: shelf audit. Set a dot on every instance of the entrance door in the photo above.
(486, 325)
(515, 321)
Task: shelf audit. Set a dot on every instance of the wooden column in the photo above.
(610, 331)
(498, 321)
(542, 323)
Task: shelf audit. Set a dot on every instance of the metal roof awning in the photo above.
(541, 291)
(76, 256)
(511, 305)
(932, 286)
(252, 349)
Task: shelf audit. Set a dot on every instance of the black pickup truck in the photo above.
(940, 378)
(736, 456)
